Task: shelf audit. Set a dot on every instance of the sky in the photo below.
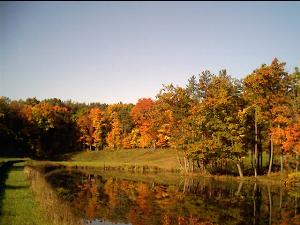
(109, 52)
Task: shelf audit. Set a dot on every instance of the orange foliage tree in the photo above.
(141, 116)
(114, 138)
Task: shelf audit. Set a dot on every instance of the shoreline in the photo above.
(275, 178)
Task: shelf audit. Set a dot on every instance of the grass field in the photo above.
(134, 159)
(161, 158)
(17, 200)
(163, 161)
(146, 160)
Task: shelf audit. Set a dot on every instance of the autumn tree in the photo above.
(160, 127)
(84, 124)
(219, 119)
(175, 105)
(119, 119)
(265, 91)
(141, 116)
(98, 124)
(52, 130)
(114, 137)
(92, 128)
(286, 135)
(12, 142)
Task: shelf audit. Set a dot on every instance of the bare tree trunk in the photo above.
(186, 165)
(198, 164)
(261, 156)
(271, 156)
(270, 205)
(239, 169)
(255, 145)
(191, 162)
(179, 161)
(154, 144)
(239, 188)
(254, 204)
(259, 150)
(186, 185)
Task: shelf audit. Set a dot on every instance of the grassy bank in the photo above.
(17, 200)
(148, 160)
(145, 160)
(131, 160)
(159, 158)
(52, 208)
(166, 159)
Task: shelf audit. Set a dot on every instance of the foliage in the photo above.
(213, 121)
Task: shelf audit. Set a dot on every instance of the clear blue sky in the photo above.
(121, 51)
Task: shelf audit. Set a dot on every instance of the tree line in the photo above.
(212, 120)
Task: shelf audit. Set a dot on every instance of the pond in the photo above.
(105, 198)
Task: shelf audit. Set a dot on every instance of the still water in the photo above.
(106, 198)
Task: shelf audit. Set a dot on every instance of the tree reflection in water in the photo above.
(105, 199)
(102, 222)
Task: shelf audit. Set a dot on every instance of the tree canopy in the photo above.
(214, 119)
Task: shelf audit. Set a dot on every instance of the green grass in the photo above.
(134, 159)
(139, 160)
(162, 158)
(149, 160)
(17, 204)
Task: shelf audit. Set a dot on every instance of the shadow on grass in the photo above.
(5, 167)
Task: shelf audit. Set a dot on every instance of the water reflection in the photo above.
(102, 222)
(106, 199)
